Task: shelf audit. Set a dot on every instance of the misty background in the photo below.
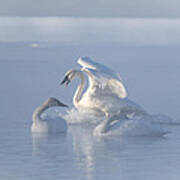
(92, 8)
(136, 22)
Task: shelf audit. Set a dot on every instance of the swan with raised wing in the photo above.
(48, 125)
(105, 93)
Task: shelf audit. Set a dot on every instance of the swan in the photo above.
(55, 125)
(137, 126)
(105, 94)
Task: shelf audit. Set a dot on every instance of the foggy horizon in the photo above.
(94, 8)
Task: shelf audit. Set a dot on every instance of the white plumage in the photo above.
(105, 93)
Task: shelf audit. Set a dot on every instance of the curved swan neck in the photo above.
(105, 126)
(37, 113)
(80, 88)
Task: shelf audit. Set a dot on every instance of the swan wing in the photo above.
(103, 79)
(86, 62)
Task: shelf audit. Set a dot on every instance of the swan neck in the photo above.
(106, 125)
(80, 88)
(38, 112)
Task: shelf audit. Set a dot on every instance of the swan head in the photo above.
(69, 76)
(54, 102)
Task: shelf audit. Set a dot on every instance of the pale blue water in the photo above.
(30, 75)
(146, 54)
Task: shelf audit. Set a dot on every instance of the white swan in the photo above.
(137, 126)
(55, 125)
(106, 92)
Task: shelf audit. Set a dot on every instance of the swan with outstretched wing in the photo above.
(102, 79)
(105, 93)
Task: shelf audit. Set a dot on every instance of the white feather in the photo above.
(103, 79)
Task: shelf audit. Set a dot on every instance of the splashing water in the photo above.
(88, 117)
(138, 126)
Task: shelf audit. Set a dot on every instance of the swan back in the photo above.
(138, 126)
(50, 125)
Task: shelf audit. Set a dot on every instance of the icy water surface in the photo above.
(29, 74)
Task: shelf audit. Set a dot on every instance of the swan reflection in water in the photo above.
(94, 154)
(83, 149)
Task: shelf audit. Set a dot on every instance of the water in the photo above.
(30, 74)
